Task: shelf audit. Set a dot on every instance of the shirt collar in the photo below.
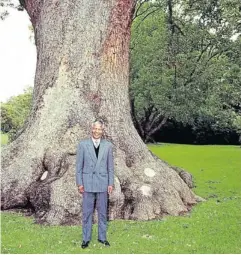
(95, 140)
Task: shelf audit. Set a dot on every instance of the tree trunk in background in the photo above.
(83, 73)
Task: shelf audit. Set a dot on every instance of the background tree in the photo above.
(179, 69)
(5, 4)
(15, 112)
(83, 73)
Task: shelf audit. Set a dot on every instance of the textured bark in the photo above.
(82, 73)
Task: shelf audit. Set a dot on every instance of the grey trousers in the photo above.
(88, 210)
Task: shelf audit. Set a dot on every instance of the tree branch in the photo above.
(136, 122)
(154, 130)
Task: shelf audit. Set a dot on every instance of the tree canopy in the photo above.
(184, 65)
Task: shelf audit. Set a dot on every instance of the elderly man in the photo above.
(95, 179)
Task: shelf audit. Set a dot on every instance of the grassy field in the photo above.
(4, 139)
(213, 226)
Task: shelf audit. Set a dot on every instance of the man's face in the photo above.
(97, 131)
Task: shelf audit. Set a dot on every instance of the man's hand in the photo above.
(110, 188)
(81, 189)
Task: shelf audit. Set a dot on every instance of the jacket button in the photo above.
(93, 172)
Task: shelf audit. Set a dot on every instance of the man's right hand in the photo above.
(81, 189)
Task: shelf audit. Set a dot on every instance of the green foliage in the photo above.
(184, 66)
(15, 111)
(212, 226)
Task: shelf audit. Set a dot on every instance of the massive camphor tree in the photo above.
(82, 73)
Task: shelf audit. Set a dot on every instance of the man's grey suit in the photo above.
(95, 174)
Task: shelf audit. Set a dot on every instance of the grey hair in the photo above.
(98, 121)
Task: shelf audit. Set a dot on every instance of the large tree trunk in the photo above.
(83, 73)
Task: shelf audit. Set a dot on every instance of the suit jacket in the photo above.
(94, 174)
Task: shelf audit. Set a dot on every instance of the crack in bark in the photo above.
(129, 201)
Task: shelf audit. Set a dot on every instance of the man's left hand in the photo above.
(110, 188)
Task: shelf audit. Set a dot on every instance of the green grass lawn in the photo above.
(4, 138)
(213, 226)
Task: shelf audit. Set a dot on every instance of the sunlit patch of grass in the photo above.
(4, 138)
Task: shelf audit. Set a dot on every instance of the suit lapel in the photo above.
(91, 150)
(101, 150)
(101, 153)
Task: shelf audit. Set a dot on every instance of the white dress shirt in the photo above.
(96, 142)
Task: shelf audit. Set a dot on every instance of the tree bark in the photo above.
(83, 73)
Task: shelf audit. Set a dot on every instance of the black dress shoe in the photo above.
(106, 243)
(84, 244)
